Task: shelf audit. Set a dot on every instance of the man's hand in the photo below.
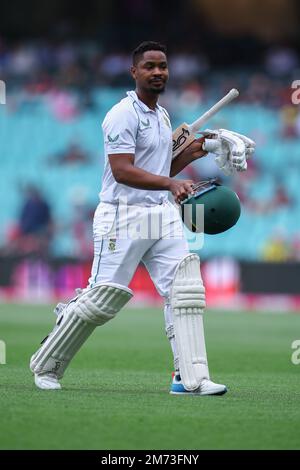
(194, 150)
(230, 149)
(181, 189)
(188, 155)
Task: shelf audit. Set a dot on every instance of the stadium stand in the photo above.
(34, 131)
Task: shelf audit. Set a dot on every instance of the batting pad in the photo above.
(187, 302)
(94, 307)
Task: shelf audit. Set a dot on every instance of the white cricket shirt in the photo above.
(131, 127)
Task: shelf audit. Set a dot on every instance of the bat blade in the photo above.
(182, 138)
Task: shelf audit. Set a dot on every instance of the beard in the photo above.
(158, 90)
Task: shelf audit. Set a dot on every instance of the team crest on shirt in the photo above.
(113, 139)
(112, 244)
(146, 124)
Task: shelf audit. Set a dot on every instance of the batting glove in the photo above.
(231, 149)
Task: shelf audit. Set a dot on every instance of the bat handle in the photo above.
(196, 126)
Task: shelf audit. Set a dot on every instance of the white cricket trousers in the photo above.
(124, 236)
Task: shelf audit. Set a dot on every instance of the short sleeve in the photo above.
(119, 130)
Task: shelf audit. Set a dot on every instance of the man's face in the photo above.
(151, 72)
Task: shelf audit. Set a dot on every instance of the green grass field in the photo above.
(115, 393)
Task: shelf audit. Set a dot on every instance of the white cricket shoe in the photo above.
(207, 387)
(47, 381)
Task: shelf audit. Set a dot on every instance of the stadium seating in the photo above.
(31, 136)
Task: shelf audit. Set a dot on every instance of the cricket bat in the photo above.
(184, 135)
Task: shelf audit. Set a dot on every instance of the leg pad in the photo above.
(92, 308)
(187, 302)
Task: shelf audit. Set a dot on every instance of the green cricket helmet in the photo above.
(212, 209)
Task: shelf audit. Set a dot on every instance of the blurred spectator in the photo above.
(279, 199)
(277, 248)
(289, 122)
(33, 232)
(35, 214)
(186, 65)
(296, 247)
(191, 96)
(281, 61)
(77, 225)
(115, 66)
(259, 88)
(297, 124)
(23, 61)
(63, 104)
(81, 226)
(73, 154)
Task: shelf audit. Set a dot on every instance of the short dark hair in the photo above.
(147, 46)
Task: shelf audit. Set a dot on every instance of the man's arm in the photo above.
(190, 154)
(124, 172)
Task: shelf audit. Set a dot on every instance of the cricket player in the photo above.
(135, 222)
